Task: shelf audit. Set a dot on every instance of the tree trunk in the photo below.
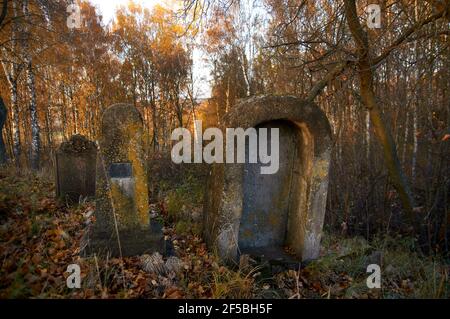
(154, 121)
(3, 114)
(15, 122)
(35, 130)
(368, 96)
(416, 104)
(405, 138)
(415, 142)
(12, 74)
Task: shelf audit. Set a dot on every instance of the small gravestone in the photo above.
(75, 169)
(122, 222)
(274, 217)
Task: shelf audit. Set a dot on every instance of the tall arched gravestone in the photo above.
(122, 193)
(246, 212)
(75, 169)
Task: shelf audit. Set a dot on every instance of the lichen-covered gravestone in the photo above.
(75, 169)
(273, 216)
(122, 223)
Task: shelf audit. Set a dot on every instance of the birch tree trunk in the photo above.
(15, 122)
(35, 129)
(12, 70)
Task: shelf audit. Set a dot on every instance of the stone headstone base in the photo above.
(133, 242)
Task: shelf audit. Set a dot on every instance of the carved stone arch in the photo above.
(226, 206)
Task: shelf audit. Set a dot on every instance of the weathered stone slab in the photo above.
(123, 225)
(267, 216)
(75, 169)
(266, 196)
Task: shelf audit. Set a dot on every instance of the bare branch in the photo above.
(320, 85)
(402, 38)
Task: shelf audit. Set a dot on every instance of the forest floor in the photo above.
(40, 237)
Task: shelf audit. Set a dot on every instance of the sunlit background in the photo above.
(201, 69)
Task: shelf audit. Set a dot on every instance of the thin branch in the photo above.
(320, 85)
(402, 38)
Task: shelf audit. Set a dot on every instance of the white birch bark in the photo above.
(12, 70)
(35, 129)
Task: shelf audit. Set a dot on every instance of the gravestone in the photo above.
(275, 217)
(75, 169)
(122, 222)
